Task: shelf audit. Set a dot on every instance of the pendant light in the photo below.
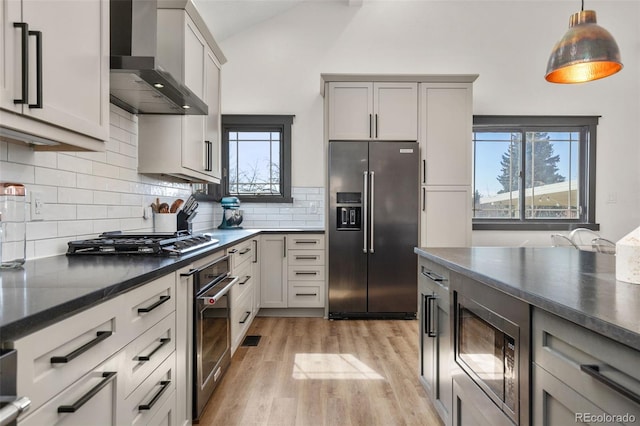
(586, 52)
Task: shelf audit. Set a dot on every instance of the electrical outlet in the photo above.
(37, 206)
(313, 208)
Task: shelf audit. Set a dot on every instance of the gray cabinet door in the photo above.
(436, 356)
(471, 407)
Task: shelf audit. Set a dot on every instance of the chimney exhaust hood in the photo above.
(138, 83)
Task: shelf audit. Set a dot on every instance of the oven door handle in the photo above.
(209, 299)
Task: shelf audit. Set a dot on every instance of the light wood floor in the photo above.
(312, 371)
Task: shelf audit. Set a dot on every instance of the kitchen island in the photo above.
(578, 341)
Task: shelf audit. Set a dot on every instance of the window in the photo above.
(256, 157)
(534, 172)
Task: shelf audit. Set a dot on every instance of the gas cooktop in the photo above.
(119, 242)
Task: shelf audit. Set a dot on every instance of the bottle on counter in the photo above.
(13, 225)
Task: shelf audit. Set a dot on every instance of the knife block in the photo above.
(184, 221)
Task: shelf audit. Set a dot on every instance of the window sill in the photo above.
(532, 226)
(265, 199)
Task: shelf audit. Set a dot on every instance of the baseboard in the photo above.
(292, 312)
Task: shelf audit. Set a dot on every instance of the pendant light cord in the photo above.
(582, 5)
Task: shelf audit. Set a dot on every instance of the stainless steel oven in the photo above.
(491, 345)
(212, 341)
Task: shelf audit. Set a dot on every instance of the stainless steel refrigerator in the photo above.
(373, 228)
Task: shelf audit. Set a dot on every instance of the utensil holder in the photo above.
(165, 222)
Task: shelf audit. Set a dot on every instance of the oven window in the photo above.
(212, 273)
(481, 348)
(213, 329)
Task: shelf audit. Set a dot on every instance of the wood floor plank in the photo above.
(315, 372)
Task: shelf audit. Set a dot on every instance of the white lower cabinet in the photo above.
(112, 364)
(292, 271)
(91, 400)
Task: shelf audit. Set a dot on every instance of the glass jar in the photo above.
(13, 224)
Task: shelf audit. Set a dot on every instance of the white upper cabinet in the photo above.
(445, 133)
(373, 111)
(54, 74)
(186, 147)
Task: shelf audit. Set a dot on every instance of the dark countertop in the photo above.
(579, 286)
(50, 289)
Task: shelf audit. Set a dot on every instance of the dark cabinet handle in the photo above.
(101, 335)
(232, 251)
(432, 275)
(306, 241)
(108, 376)
(148, 309)
(246, 317)
(148, 357)
(25, 62)
(428, 315)
(370, 126)
(247, 278)
(165, 385)
(38, 35)
(306, 294)
(208, 152)
(245, 251)
(284, 247)
(255, 252)
(424, 171)
(306, 257)
(594, 371)
(377, 125)
(306, 272)
(424, 199)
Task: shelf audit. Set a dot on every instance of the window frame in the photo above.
(586, 178)
(248, 123)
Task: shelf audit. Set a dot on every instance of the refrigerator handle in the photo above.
(364, 214)
(371, 223)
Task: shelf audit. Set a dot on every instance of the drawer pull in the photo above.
(87, 396)
(165, 385)
(245, 251)
(255, 252)
(247, 278)
(306, 294)
(246, 317)
(155, 305)
(306, 241)
(148, 357)
(432, 275)
(306, 272)
(594, 371)
(232, 251)
(101, 335)
(306, 257)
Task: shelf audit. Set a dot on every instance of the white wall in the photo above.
(275, 66)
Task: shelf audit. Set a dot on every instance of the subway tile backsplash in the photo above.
(87, 193)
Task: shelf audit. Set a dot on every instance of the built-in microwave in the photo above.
(491, 347)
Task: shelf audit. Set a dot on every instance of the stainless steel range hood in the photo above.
(138, 83)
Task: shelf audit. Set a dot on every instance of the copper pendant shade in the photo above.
(586, 52)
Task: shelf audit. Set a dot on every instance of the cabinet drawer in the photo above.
(147, 305)
(306, 273)
(147, 400)
(433, 272)
(305, 242)
(305, 257)
(98, 388)
(306, 294)
(245, 282)
(241, 253)
(85, 340)
(570, 352)
(148, 351)
(241, 317)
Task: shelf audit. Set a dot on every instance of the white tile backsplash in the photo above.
(87, 193)
(306, 211)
